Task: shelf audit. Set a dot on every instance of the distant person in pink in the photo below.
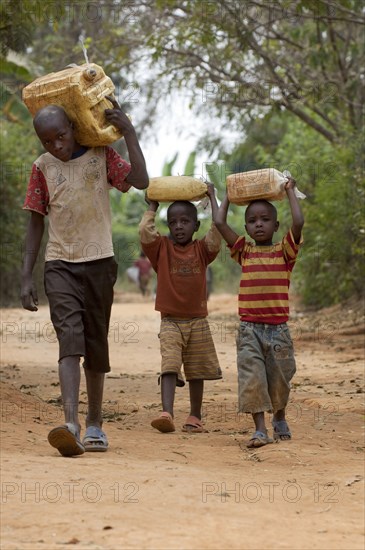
(144, 272)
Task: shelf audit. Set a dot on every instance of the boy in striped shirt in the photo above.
(265, 357)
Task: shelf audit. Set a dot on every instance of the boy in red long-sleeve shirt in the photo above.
(181, 296)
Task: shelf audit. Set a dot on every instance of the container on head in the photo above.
(176, 188)
(81, 91)
(267, 184)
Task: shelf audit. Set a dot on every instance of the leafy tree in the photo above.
(17, 152)
(19, 145)
(16, 31)
(303, 57)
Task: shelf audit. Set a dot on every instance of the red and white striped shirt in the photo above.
(264, 285)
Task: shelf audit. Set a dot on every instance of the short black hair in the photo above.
(271, 206)
(45, 113)
(190, 208)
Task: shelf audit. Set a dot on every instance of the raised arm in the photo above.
(152, 205)
(219, 215)
(138, 176)
(147, 228)
(29, 295)
(296, 211)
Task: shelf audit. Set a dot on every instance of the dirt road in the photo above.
(181, 491)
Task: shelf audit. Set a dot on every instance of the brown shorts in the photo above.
(80, 298)
(188, 342)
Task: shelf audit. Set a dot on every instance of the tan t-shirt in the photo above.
(75, 195)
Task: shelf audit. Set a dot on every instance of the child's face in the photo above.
(261, 222)
(57, 136)
(181, 224)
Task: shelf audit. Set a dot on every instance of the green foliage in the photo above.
(332, 264)
(19, 145)
(189, 169)
(248, 58)
(15, 70)
(168, 165)
(333, 260)
(18, 150)
(16, 30)
(127, 211)
(11, 107)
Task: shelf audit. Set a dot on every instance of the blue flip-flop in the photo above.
(95, 440)
(259, 439)
(66, 440)
(281, 430)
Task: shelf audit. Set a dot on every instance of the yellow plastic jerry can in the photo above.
(81, 91)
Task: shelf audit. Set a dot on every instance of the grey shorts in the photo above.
(80, 298)
(266, 364)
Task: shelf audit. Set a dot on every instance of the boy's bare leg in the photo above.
(259, 419)
(168, 387)
(164, 422)
(66, 438)
(193, 422)
(196, 389)
(95, 390)
(279, 415)
(69, 375)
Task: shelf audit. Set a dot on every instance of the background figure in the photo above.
(133, 274)
(144, 272)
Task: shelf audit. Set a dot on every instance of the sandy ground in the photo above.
(170, 491)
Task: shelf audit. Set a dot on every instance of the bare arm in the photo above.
(213, 238)
(138, 176)
(296, 211)
(29, 295)
(219, 215)
(213, 200)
